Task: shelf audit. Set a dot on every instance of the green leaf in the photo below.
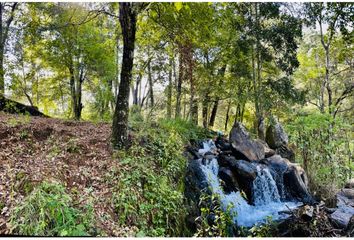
(178, 6)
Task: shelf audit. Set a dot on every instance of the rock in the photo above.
(345, 197)
(350, 183)
(209, 156)
(245, 169)
(341, 217)
(296, 186)
(195, 181)
(276, 136)
(350, 227)
(226, 160)
(230, 182)
(222, 144)
(268, 152)
(195, 184)
(245, 174)
(242, 145)
(286, 152)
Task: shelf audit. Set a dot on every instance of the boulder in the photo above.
(222, 144)
(243, 146)
(350, 183)
(245, 174)
(268, 152)
(195, 181)
(276, 136)
(286, 152)
(296, 186)
(229, 181)
(225, 160)
(341, 217)
(195, 185)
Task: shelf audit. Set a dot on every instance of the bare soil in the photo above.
(76, 154)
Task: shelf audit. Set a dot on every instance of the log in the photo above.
(13, 107)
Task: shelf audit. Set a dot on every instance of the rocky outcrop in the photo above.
(243, 146)
(277, 139)
(341, 217)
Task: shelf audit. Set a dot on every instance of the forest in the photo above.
(177, 119)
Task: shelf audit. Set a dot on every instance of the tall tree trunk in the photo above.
(214, 110)
(151, 84)
(179, 84)
(2, 47)
(227, 115)
(205, 110)
(72, 91)
(127, 18)
(169, 91)
(193, 104)
(136, 90)
(4, 32)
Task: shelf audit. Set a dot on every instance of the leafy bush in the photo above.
(213, 221)
(324, 148)
(48, 211)
(150, 192)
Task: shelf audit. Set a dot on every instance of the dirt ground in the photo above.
(77, 154)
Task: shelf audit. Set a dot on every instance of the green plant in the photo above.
(72, 146)
(48, 211)
(213, 220)
(267, 229)
(324, 148)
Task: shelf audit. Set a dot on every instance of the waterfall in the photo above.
(265, 192)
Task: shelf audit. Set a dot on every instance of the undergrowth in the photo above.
(149, 195)
(48, 211)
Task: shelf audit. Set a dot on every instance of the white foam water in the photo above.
(265, 192)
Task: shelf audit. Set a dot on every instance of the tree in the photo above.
(338, 18)
(128, 18)
(7, 13)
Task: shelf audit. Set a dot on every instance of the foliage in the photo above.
(48, 211)
(214, 221)
(324, 148)
(150, 192)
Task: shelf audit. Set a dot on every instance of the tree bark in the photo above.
(227, 115)
(4, 32)
(151, 85)
(169, 91)
(216, 101)
(14, 107)
(127, 20)
(179, 84)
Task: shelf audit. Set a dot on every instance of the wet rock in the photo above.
(225, 160)
(195, 181)
(296, 186)
(195, 185)
(245, 174)
(268, 152)
(276, 136)
(222, 144)
(230, 182)
(286, 152)
(243, 146)
(341, 217)
(350, 183)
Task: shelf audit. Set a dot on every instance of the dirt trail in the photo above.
(77, 154)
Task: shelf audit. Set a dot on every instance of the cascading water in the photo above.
(265, 193)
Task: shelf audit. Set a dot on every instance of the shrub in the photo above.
(48, 211)
(324, 148)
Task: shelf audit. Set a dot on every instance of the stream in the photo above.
(267, 197)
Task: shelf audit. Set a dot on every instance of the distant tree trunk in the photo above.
(205, 110)
(151, 84)
(193, 104)
(227, 115)
(4, 33)
(72, 90)
(127, 18)
(179, 84)
(169, 91)
(214, 110)
(136, 90)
